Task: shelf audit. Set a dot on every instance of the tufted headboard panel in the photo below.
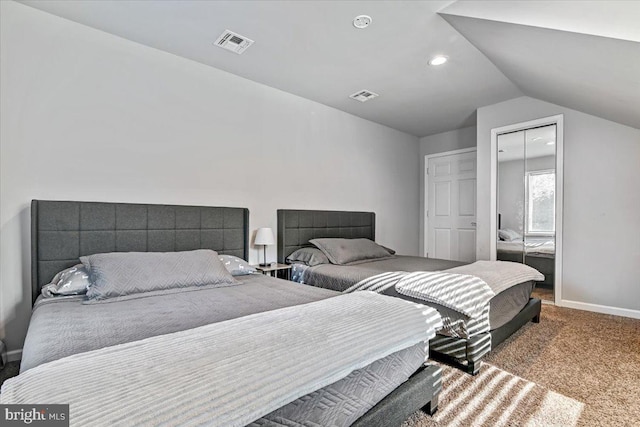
(61, 232)
(297, 227)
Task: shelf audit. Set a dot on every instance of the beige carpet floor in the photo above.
(574, 368)
(545, 294)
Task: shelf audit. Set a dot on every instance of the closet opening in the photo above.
(529, 200)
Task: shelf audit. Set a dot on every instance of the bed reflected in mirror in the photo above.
(526, 202)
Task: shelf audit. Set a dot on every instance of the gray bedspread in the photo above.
(504, 306)
(344, 401)
(301, 349)
(341, 277)
(62, 327)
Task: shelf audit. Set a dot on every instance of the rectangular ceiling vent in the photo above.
(233, 42)
(364, 95)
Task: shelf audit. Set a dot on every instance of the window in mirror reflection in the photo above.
(541, 202)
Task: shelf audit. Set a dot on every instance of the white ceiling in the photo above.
(616, 19)
(594, 74)
(311, 49)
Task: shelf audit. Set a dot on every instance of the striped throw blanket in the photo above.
(463, 293)
(229, 373)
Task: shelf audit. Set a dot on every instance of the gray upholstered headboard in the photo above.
(297, 227)
(61, 232)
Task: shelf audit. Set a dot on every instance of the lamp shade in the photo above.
(264, 236)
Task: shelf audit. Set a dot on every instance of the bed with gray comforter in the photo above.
(170, 337)
(336, 250)
(249, 369)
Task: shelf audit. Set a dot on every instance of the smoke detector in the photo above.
(364, 95)
(233, 42)
(362, 21)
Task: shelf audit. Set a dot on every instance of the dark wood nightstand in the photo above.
(273, 268)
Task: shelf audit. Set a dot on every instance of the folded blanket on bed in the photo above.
(229, 373)
(466, 289)
(465, 294)
(499, 275)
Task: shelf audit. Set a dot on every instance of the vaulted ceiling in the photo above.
(582, 55)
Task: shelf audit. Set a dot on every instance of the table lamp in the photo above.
(264, 237)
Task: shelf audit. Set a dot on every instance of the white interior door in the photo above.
(451, 213)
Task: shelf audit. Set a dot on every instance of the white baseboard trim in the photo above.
(605, 309)
(14, 355)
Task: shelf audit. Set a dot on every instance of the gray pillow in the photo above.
(118, 274)
(236, 266)
(308, 256)
(346, 251)
(72, 281)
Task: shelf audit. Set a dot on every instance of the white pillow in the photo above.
(72, 281)
(236, 266)
(508, 235)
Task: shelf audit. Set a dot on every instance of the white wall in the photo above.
(511, 195)
(601, 256)
(89, 116)
(440, 143)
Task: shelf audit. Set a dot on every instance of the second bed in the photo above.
(460, 345)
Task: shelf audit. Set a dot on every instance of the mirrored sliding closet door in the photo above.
(526, 197)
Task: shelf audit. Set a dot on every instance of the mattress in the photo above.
(504, 306)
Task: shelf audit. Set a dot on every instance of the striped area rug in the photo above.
(497, 398)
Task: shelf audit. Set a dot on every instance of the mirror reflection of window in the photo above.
(541, 202)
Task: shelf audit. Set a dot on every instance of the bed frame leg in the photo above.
(473, 367)
(431, 407)
(536, 318)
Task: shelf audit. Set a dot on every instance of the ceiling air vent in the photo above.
(364, 95)
(233, 42)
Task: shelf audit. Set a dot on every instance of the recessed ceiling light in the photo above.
(362, 21)
(551, 142)
(438, 60)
